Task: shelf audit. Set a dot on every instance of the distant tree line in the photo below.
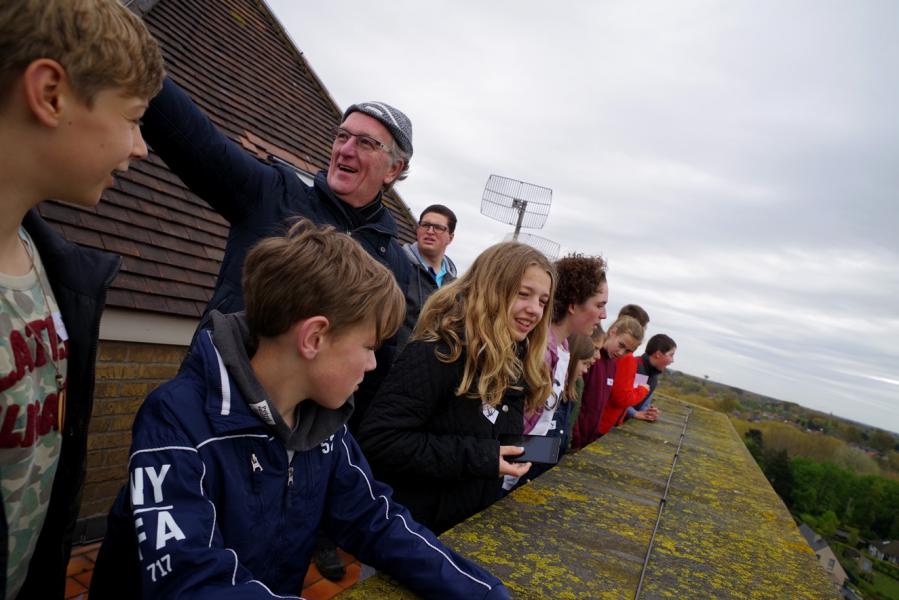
(829, 496)
(821, 448)
(791, 427)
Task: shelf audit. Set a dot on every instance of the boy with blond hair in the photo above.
(75, 79)
(238, 461)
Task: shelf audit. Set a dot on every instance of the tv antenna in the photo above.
(516, 203)
(549, 248)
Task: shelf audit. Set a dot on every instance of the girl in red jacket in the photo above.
(625, 392)
(623, 337)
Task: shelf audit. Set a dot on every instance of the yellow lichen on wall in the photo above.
(582, 530)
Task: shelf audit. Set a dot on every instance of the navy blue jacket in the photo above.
(220, 511)
(257, 199)
(79, 278)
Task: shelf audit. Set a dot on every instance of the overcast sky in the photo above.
(737, 163)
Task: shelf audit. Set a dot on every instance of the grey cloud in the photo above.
(737, 163)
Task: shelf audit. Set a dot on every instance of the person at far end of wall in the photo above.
(659, 355)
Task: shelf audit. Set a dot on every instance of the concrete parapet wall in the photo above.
(583, 529)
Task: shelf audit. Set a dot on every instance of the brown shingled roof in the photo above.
(240, 67)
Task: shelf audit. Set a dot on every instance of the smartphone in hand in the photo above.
(537, 448)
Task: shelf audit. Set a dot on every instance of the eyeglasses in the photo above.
(433, 227)
(363, 142)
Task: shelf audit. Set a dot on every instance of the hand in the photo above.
(653, 412)
(645, 415)
(509, 468)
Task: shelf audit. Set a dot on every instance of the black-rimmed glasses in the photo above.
(433, 227)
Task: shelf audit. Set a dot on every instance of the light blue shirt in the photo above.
(438, 276)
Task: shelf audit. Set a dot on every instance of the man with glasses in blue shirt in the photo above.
(370, 151)
(431, 267)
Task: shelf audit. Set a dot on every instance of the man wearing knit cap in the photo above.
(371, 150)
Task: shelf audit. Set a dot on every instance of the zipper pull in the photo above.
(255, 463)
(289, 476)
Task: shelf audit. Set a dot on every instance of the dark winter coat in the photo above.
(217, 508)
(439, 451)
(421, 285)
(258, 199)
(79, 278)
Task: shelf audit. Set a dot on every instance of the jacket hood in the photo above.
(315, 424)
(414, 256)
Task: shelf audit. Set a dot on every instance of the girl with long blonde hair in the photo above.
(473, 369)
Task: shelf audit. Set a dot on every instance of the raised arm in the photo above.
(226, 176)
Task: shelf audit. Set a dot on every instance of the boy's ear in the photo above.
(310, 335)
(47, 90)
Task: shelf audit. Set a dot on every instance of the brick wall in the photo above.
(126, 373)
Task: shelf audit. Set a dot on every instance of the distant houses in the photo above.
(887, 550)
(826, 558)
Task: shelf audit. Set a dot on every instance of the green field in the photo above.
(886, 586)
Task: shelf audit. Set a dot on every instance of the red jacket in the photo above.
(597, 389)
(623, 394)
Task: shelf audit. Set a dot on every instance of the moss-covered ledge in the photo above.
(582, 530)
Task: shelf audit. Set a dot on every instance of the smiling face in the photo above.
(617, 345)
(340, 365)
(530, 302)
(584, 317)
(95, 142)
(357, 175)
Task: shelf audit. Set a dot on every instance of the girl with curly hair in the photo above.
(579, 305)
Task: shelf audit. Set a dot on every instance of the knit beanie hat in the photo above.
(397, 123)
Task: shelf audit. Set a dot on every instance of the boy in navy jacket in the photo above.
(238, 461)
